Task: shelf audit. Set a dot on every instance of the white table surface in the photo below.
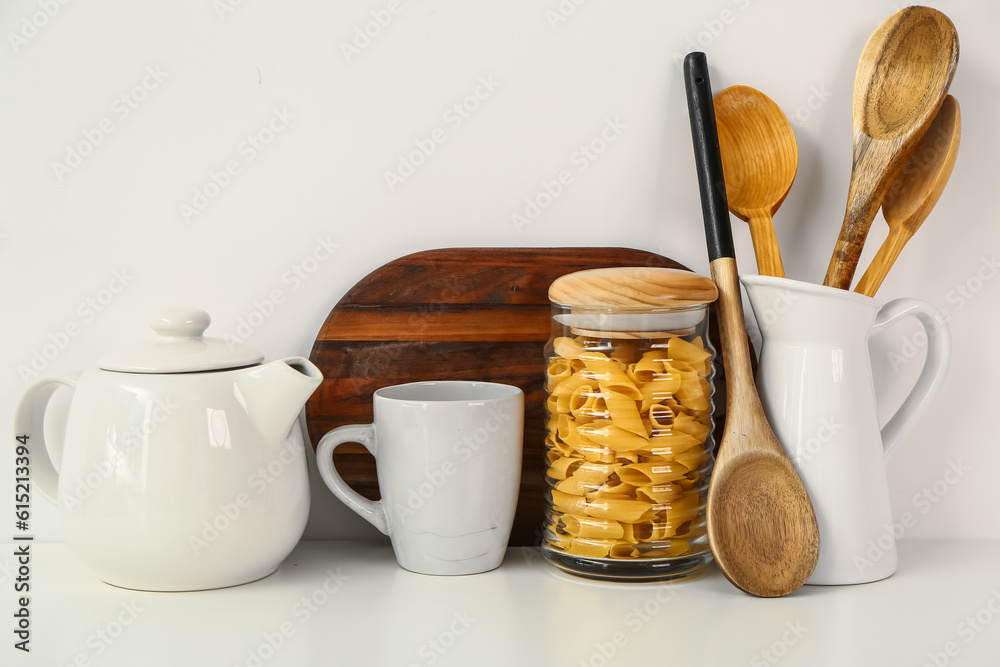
(524, 613)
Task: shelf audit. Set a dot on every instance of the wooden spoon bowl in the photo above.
(767, 558)
(759, 158)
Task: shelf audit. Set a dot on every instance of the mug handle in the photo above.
(371, 511)
(29, 424)
(935, 366)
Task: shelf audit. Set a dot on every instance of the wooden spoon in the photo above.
(760, 158)
(904, 73)
(761, 525)
(916, 190)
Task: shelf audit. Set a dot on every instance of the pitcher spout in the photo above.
(275, 392)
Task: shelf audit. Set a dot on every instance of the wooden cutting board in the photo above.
(450, 314)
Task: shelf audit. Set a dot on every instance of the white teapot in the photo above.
(183, 466)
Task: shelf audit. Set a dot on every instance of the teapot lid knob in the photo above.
(180, 322)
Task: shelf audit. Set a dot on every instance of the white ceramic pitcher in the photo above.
(815, 382)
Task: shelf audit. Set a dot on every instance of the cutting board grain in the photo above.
(449, 314)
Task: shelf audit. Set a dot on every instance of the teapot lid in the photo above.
(180, 347)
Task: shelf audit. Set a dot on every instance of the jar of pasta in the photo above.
(629, 423)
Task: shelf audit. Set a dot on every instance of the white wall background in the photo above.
(225, 67)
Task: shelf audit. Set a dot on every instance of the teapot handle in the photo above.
(935, 365)
(371, 511)
(29, 429)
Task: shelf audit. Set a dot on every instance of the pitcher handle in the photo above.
(935, 366)
(371, 511)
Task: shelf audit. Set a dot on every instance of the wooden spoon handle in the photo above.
(883, 261)
(740, 394)
(870, 180)
(765, 245)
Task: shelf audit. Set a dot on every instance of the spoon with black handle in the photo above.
(761, 526)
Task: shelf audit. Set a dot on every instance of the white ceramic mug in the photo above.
(815, 383)
(448, 456)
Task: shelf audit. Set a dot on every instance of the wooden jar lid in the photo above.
(633, 287)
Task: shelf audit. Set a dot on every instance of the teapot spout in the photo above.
(275, 392)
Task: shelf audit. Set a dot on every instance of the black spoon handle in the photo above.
(711, 181)
(719, 234)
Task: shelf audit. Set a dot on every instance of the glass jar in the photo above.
(629, 372)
